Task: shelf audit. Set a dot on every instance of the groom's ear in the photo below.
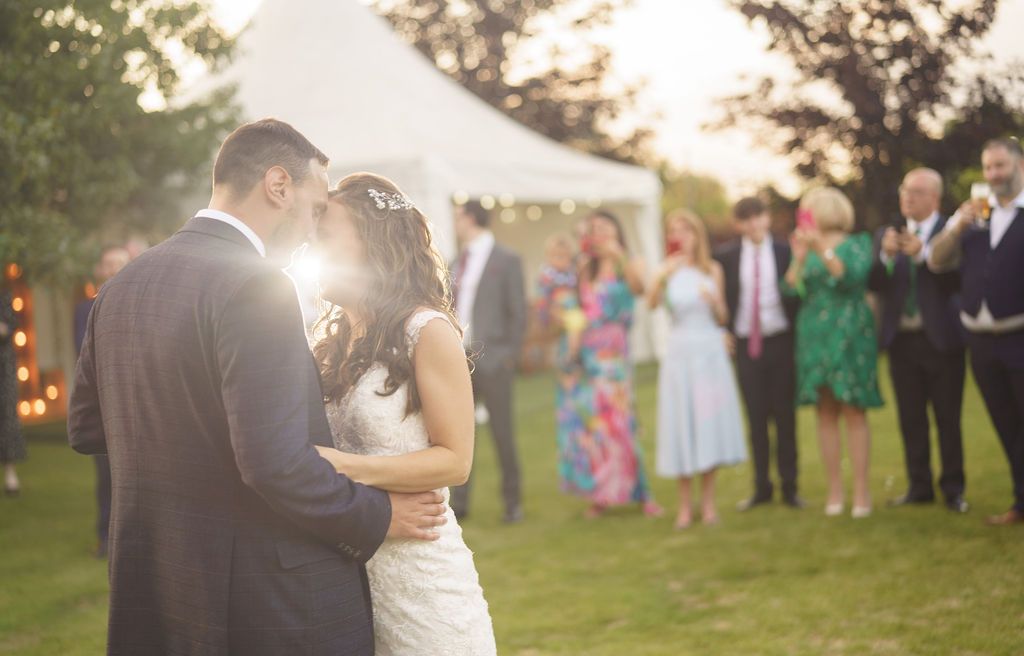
(277, 185)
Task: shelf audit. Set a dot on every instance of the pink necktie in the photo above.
(755, 344)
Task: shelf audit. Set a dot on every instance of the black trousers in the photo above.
(102, 498)
(494, 388)
(922, 375)
(768, 385)
(998, 365)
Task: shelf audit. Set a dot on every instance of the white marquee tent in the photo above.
(337, 72)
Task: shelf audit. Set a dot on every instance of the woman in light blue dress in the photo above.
(699, 420)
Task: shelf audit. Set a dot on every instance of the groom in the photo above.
(229, 534)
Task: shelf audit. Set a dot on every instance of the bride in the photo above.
(400, 403)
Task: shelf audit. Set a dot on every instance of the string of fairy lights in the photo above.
(36, 397)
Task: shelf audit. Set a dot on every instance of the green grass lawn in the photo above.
(773, 581)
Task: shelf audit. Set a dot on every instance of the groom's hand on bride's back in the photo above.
(416, 515)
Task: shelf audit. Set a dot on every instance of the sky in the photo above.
(687, 63)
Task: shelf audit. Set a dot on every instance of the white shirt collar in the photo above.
(237, 224)
(482, 244)
(924, 226)
(765, 244)
(1017, 202)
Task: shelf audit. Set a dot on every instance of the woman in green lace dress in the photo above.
(837, 353)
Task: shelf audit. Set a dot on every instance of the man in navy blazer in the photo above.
(761, 318)
(229, 534)
(920, 328)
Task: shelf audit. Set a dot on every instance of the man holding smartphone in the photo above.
(920, 329)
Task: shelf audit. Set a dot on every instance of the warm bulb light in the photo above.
(487, 202)
(39, 406)
(20, 339)
(534, 212)
(23, 374)
(90, 290)
(460, 197)
(18, 304)
(51, 392)
(25, 408)
(508, 215)
(568, 206)
(13, 271)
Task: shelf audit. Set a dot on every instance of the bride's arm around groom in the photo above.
(446, 396)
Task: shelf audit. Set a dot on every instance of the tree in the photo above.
(83, 160)
(702, 194)
(882, 85)
(485, 46)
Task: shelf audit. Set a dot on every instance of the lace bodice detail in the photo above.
(368, 423)
(423, 593)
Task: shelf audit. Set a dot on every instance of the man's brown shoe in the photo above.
(1007, 518)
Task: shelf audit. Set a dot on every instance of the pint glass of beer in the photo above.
(980, 193)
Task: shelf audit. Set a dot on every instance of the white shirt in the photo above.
(237, 224)
(478, 252)
(999, 222)
(773, 316)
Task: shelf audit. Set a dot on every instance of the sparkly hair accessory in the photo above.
(385, 200)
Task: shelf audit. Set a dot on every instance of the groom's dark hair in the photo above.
(253, 148)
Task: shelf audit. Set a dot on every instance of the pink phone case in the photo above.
(804, 219)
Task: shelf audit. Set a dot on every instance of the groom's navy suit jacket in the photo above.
(228, 534)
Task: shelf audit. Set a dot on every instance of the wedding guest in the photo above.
(921, 331)
(557, 305)
(491, 304)
(559, 313)
(602, 460)
(699, 427)
(835, 337)
(761, 320)
(985, 239)
(112, 260)
(12, 441)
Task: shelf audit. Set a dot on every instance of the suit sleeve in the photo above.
(878, 278)
(85, 417)
(266, 373)
(515, 304)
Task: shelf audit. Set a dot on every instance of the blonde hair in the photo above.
(559, 240)
(702, 245)
(831, 209)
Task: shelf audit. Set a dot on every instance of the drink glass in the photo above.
(980, 193)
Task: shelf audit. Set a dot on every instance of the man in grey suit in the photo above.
(229, 534)
(491, 305)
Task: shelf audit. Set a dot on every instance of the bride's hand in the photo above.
(333, 456)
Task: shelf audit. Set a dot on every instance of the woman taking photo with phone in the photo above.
(699, 416)
(599, 457)
(835, 337)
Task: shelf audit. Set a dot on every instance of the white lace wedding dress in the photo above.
(426, 595)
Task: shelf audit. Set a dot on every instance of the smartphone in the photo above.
(673, 246)
(899, 224)
(805, 219)
(587, 245)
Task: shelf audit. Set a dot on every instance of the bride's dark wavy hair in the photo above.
(406, 272)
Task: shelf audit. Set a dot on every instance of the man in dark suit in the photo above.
(985, 239)
(112, 260)
(761, 320)
(920, 329)
(229, 534)
(491, 304)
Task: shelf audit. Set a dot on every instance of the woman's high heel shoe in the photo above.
(860, 512)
